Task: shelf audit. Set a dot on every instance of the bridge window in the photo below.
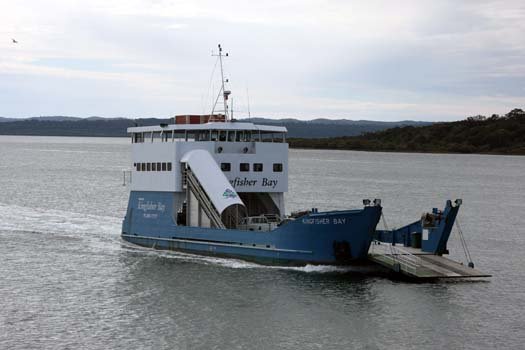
(158, 166)
(277, 167)
(255, 136)
(244, 167)
(139, 137)
(169, 166)
(257, 167)
(203, 135)
(226, 166)
(153, 166)
(143, 166)
(137, 166)
(163, 166)
(148, 166)
(242, 136)
(156, 135)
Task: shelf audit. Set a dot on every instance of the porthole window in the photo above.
(278, 167)
(226, 166)
(244, 167)
(257, 167)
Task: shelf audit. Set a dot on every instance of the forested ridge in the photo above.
(478, 134)
(116, 127)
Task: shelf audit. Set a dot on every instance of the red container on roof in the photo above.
(199, 119)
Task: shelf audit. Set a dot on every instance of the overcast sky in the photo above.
(378, 60)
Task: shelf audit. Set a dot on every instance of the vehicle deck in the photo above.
(414, 263)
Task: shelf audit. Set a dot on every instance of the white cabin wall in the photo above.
(266, 153)
(153, 180)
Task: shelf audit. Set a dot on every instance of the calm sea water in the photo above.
(69, 282)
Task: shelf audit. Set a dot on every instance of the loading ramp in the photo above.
(417, 264)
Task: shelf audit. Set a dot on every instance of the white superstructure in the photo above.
(252, 158)
(218, 170)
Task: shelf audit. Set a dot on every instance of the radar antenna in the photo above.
(225, 93)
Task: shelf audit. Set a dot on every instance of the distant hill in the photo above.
(478, 134)
(324, 128)
(98, 126)
(70, 126)
(4, 120)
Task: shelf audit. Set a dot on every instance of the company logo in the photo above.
(229, 194)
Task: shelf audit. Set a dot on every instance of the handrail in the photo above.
(125, 175)
(406, 260)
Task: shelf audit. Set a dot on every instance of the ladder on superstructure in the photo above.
(203, 199)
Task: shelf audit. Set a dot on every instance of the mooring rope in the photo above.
(391, 247)
(464, 244)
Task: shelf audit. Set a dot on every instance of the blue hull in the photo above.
(335, 237)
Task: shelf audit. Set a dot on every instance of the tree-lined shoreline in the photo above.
(479, 134)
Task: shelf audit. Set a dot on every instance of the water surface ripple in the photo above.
(69, 282)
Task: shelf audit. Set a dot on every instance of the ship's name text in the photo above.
(324, 221)
(149, 205)
(245, 182)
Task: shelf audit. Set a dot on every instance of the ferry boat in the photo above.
(208, 184)
(211, 185)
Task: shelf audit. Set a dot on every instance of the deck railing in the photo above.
(396, 255)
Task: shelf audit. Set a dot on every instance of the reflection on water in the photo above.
(68, 281)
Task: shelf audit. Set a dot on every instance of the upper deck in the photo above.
(254, 158)
(231, 126)
(211, 131)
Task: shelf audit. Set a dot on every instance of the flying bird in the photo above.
(14, 41)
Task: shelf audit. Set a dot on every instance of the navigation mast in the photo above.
(225, 93)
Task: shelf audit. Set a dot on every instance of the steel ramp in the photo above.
(420, 266)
